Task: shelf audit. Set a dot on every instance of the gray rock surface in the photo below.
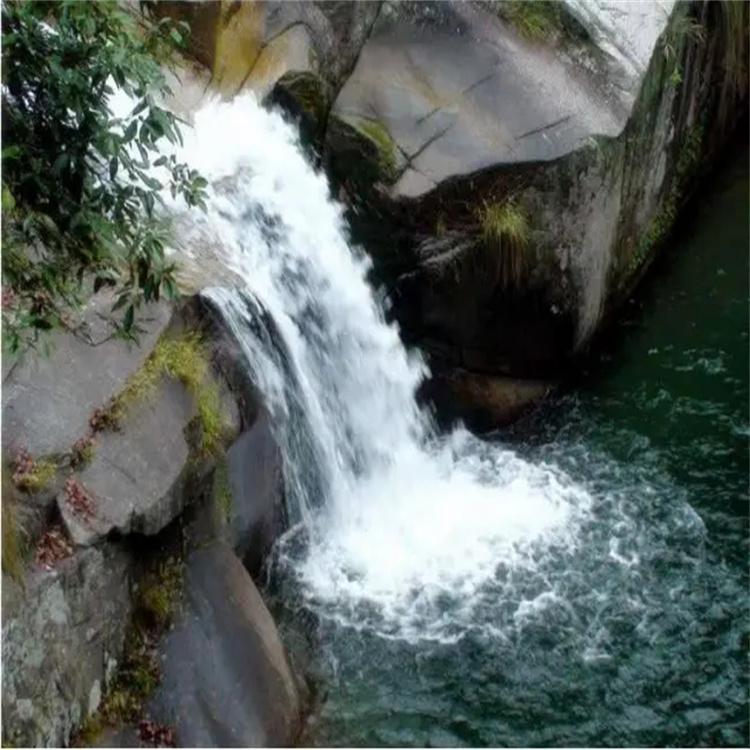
(627, 31)
(226, 681)
(465, 92)
(47, 402)
(62, 635)
(249, 46)
(137, 474)
(256, 480)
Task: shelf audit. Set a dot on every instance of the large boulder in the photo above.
(590, 203)
(137, 475)
(47, 401)
(63, 634)
(226, 681)
(458, 89)
(251, 45)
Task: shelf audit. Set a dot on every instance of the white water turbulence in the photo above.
(398, 530)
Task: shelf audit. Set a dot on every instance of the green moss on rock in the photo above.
(304, 95)
(362, 151)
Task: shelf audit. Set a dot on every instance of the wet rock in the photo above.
(483, 402)
(459, 90)
(305, 96)
(258, 515)
(62, 636)
(226, 681)
(253, 45)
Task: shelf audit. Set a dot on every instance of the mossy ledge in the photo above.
(184, 358)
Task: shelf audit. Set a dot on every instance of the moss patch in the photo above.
(377, 134)
(185, 359)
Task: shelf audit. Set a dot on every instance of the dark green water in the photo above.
(645, 640)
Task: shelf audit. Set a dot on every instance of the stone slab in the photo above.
(135, 476)
(47, 402)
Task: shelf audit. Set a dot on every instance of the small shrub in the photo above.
(82, 451)
(53, 546)
(155, 735)
(107, 417)
(504, 230)
(31, 475)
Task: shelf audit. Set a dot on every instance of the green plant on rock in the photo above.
(536, 21)
(80, 185)
(681, 29)
(14, 535)
(32, 475)
(376, 132)
(504, 230)
(186, 359)
(82, 451)
(159, 593)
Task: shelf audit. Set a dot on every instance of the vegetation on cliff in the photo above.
(79, 194)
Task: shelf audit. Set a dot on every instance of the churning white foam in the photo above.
(407, 532)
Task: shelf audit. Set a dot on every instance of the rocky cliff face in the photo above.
(514, 166)
(136, 483)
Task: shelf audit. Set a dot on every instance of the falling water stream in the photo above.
(565, 583)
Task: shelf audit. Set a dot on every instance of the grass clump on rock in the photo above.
(536, 21)
(504, 230)
(186, 359)
(32, 475)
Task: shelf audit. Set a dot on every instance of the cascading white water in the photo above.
(406, 530)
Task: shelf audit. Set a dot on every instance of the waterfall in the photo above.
(408, 532)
